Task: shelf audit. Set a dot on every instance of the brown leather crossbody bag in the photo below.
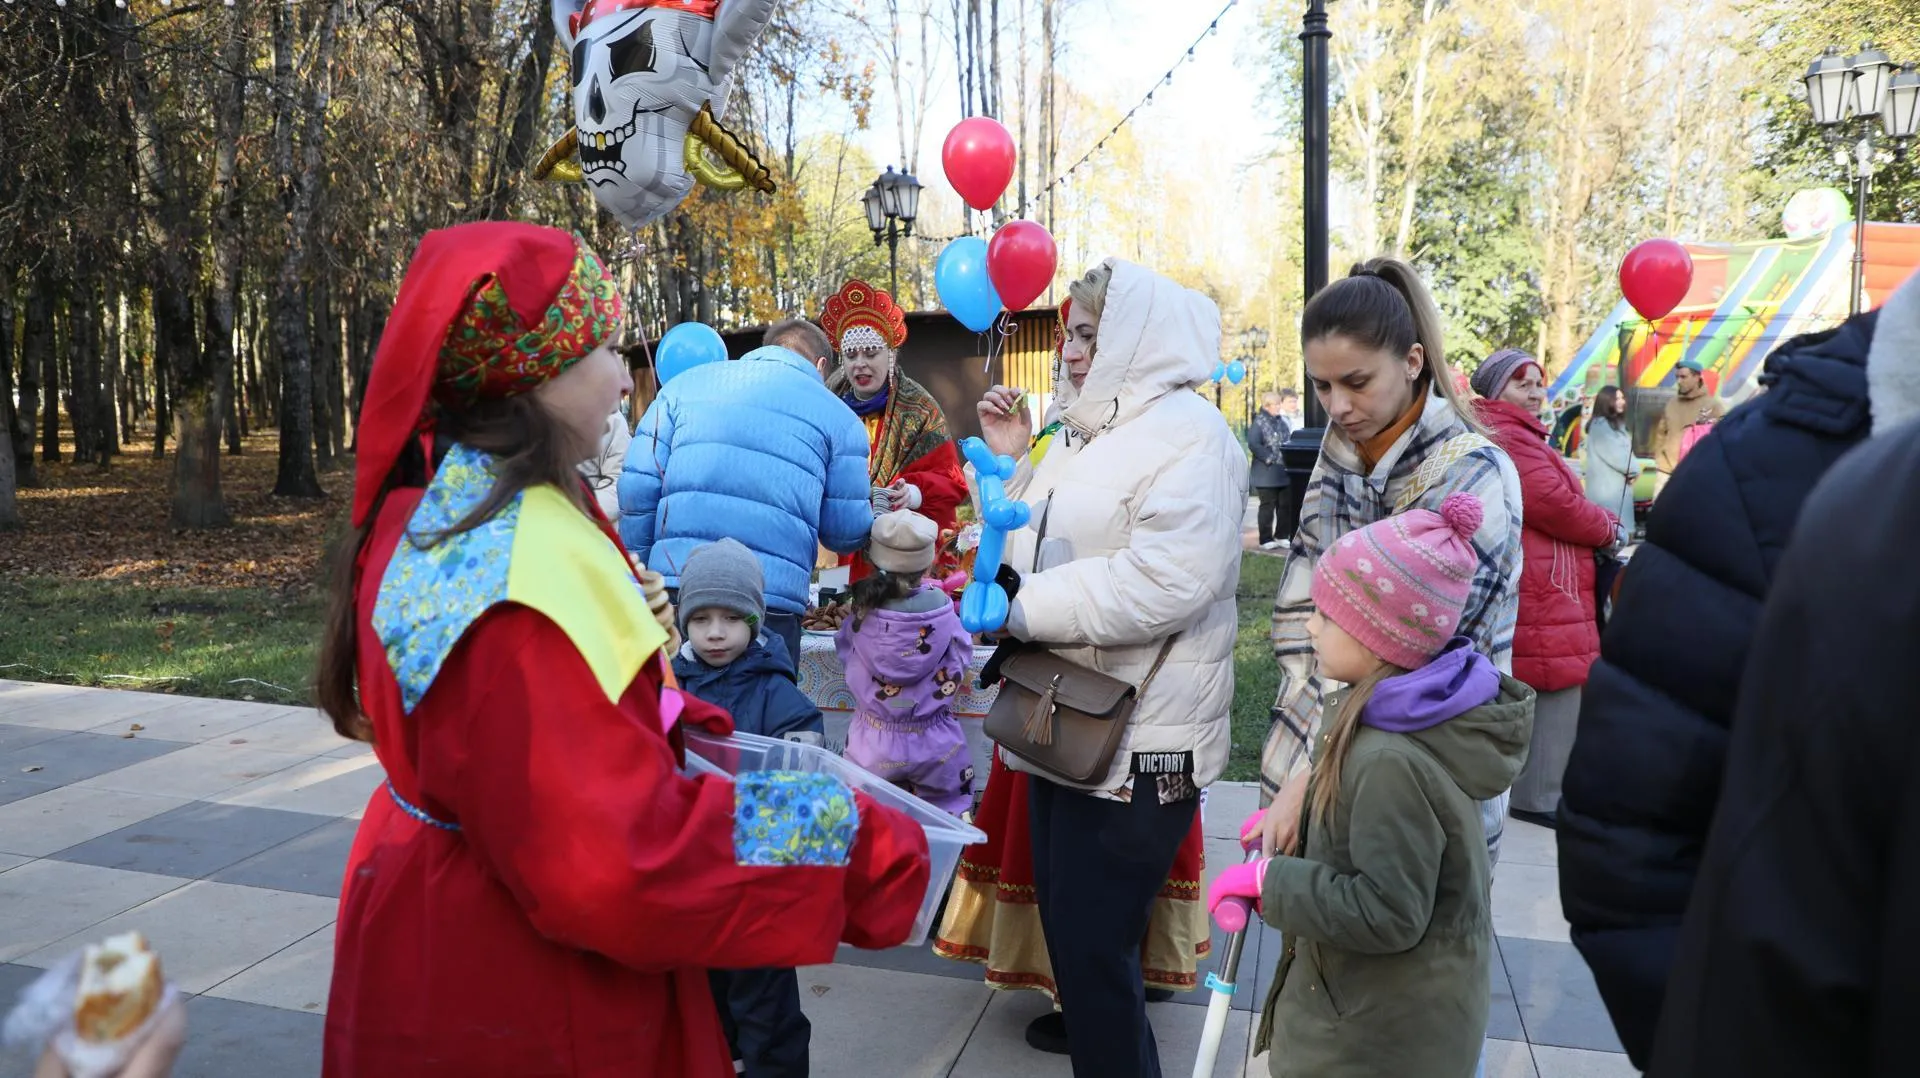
(1062, 719)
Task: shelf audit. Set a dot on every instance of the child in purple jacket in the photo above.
(906, 656)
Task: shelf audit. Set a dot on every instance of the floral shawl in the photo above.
(911, 427)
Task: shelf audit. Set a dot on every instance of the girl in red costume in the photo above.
(911, 458)
(537, 890)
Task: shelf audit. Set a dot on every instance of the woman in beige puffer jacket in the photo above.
(1137, 507)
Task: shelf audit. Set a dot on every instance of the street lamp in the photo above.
(892, 202)
(1253, 344)
(1863, 88)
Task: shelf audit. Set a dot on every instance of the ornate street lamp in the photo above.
(1900, 116)
(1863, 89)
(892, 202)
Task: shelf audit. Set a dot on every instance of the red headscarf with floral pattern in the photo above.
(486, 311)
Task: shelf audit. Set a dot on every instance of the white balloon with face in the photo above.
(639, 78)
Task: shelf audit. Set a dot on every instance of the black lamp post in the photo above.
(1302, 448)
(1859, 90)
(891, 204)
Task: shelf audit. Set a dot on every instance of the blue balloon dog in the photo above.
(983, 605)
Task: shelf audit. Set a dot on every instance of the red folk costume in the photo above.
(538, 890)
(907, 435)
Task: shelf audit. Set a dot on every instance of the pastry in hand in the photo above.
(120, 987)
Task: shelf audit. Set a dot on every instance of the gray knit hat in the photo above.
(1495, 371)
(724, 575)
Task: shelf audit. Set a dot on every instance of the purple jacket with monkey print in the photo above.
(905, 667)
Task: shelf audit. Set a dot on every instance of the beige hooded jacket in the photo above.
(1142, 497)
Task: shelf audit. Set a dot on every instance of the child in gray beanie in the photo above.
(729, 662)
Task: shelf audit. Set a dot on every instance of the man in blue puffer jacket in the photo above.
(756, 450)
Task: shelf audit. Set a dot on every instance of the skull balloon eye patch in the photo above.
(633, 54)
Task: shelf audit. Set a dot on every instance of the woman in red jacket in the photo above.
(537, 889)
(1557, 637)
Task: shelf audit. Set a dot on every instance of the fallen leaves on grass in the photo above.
(82, 524)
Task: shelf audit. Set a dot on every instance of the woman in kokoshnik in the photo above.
(912, 461)
(992, 916)
(536, 890)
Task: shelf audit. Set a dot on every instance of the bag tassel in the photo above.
(1039, 727)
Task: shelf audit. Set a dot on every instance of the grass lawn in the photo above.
(1255, 676)
(239, 643)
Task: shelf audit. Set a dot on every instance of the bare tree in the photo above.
(299, 177)
(229, 119)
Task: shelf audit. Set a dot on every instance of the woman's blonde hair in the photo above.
(1323, 793)
(1089, 293)
(1383, 305)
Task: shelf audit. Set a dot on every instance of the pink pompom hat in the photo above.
(1400, 585)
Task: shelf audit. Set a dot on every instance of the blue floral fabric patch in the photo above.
(792, 818)
(431, 594)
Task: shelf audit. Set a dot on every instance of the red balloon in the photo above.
(978, 157)
(1021, 259)
(1655, 277)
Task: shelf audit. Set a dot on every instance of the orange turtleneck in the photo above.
(1376, 447)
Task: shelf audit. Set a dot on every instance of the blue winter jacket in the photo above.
(757, 689)
(757, 450)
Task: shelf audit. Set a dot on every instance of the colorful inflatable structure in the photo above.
(1748, 298)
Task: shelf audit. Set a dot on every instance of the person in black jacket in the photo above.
(1645, 773)
(1269, 480)
(1798, 952)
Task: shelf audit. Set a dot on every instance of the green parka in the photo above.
(1387, 921)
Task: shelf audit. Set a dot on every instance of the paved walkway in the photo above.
(219, 829)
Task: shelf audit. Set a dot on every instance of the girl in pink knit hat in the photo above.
(1385, 912)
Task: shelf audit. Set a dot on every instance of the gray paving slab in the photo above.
(920, 960)
(1555, 993)
(81, 709)
(15, 737)
(61, 760)
(15, 786)
(229, 1039)
(311, 863)
(193, 841)
(1503, 1018)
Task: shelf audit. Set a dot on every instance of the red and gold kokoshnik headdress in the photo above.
(859, 304)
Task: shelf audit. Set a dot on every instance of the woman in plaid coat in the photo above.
(1398, 436)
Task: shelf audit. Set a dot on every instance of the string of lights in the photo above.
(1165, 79)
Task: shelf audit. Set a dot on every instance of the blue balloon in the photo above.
(961, 279)
(983, 605)
(686, 346)
(1219, 371)
(1236, 372)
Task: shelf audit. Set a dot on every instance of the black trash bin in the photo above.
(1298, 455)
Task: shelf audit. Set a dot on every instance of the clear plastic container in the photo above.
(946, 834)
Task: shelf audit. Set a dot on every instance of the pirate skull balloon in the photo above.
(650, 78)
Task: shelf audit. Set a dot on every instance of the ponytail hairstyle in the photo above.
(1323, 791)
(883, 587)
(1383, 305)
